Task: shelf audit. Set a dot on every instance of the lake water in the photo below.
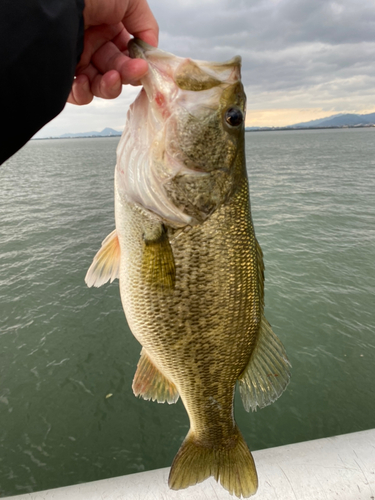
(64, 348)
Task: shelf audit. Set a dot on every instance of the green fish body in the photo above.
(190, 268)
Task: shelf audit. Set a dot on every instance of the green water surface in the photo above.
(64, 348)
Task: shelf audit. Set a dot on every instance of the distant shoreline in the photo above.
(80, 137)
(266, 129)
(283, 129)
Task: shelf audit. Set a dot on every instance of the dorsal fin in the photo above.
(106, 263)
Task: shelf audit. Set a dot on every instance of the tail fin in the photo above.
(234, 466)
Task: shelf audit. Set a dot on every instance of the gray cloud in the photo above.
(296, 53)
(284, 44)
(269, 23)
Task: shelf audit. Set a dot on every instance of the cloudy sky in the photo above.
(302, 59)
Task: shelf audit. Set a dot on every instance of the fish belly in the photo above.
(200, 335)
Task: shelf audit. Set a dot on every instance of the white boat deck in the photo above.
(341, 467)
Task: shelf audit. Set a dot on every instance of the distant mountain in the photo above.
(107, 132)
(341, 120)
(314, 123)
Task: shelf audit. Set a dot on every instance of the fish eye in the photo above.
(233, 116)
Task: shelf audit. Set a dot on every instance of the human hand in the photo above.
(105, 64)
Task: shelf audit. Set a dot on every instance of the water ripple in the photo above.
(65, 347)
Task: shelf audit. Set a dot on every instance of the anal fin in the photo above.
(268, 372)
(150, 383)
(106, 263)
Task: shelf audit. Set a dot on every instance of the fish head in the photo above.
(189, 125)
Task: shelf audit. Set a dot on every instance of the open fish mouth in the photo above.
(168, 74)
(228, 71)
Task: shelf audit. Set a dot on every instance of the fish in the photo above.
(190, 269)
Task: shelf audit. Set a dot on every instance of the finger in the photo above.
(132, 70)
(107, 86)
(90, 71)
(109, 57)
(141, 23)
(94, 38)
(81, 93)
(121, 40)
(104, 12)
(110, 87)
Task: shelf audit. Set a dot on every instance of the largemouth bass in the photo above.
(189, 265)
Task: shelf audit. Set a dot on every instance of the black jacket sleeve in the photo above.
(40, 44)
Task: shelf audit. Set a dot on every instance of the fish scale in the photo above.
(189, 266)
(202, 341)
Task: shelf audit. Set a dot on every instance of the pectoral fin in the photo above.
(106, 264)
(158, 266)
(150, 383)
(267, 373)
